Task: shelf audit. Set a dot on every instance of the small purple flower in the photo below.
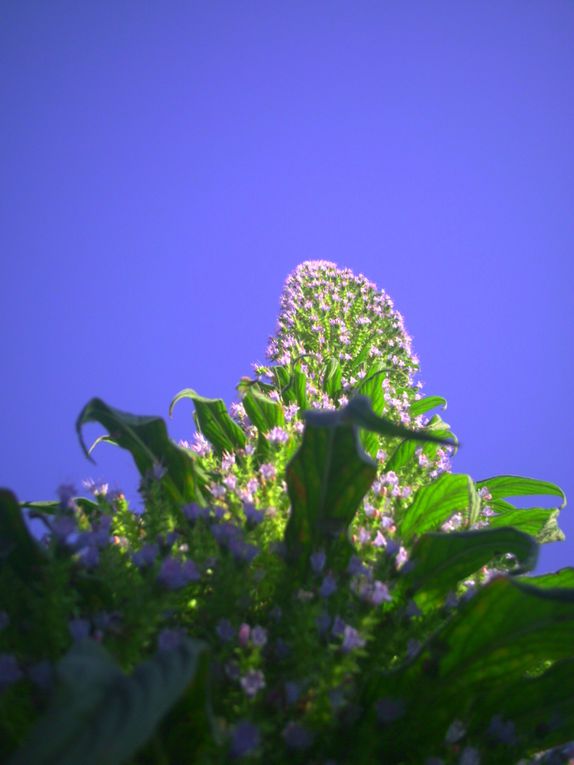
(268, 471)
(169, 639)
(245, 739)
(380, 593)
(352, 639)
(90, 557)
(63, 528)
(278, 436)
(174, 573)
(253, 682)
(10, 672)
(297, 736)
(252, 516)
(79, 629)
(225, 630)
(259, 636)
(194, 512)
(318, 561)
(379, 540)
(356, 566)
(502, 730)
(146, 555)
(338, 627)
(227, 461)
(66, 494)
(328, 586)
(323, 622)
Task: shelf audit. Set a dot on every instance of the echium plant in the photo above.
(308, 582)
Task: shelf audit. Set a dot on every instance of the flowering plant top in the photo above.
(307, 572)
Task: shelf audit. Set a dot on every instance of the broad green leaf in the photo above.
(263, 412)
(539, 522)
(423, 405)
(99, 716)
(402, 456)
(519, 486)
(332, 375)
(434, 504)
(17, 546)
(504, 631)
(146, 438)
(562, 578)
(326, 479)
(222, 432)
(284, 384)
(439, 561)
(299, 383)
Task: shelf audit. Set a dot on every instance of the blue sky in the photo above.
(166, 165)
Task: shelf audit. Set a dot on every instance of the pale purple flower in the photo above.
(230, 482)
(218, 491)
(98, 489)
(456, 731)
(194, 512)
(253, 682)
(66, 494)
(227, 461)
(352, 639)
(245, 739)
(380, 593)
(469, 756)
(252, 485)
(175, 573)
(201, 445)
(402, 557)
(379, 540)
(252, 515)
(90, 557)
(277, 436)
(250, 449)
(338, 627)
(244, 634)
(290, 411)
(268, 470)
(502, 730)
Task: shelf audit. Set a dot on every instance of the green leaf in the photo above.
(402, 456)
(223, 433)
(434, 504)
(439, 561)
(284, 384)
(332, 375)
(18, 547)
(360, 412)
(504, 631)
(263, 412)
(539, 522)
(371, 387)
(99, 716)
(519, 486)
(562, 578)
(327, 479)
(423, 405)
(52, 507)
(146, 438)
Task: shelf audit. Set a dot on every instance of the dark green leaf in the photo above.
(101, 717)
(52, 507)
(434, 504)
(371, 387)
(423, 405)
(440, 561)
(223, 433)
(402, 456)
(326, 479)
(17, 546)
(562, 578)
(147, 440)
(519, 486)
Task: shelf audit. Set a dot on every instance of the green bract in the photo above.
(309, 582)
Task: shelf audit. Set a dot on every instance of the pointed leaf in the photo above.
(214, 421)
(332, 376)
(146, 438)
(439, 561)
(562, 578)
(503, 486)
(17, 546)
(434, 504)
(99, 716)
(423, 405)
(263, 412)
(539, 522)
